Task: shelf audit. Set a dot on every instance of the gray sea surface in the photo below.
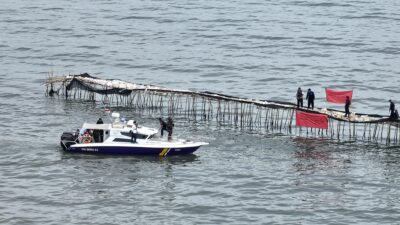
(249, 48)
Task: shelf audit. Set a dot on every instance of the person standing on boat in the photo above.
(310, 98)
(76, 135)
(347, 107)
(98, 134)
(170, 127)
(299, 97)
(134, 132)
(99, 121)
(163, 126)
(391, 109)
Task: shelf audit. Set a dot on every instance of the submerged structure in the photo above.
(259, 115)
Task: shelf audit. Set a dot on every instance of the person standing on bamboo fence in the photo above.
(299, 96)
(347, 107)
(392, 107)
(310, 99)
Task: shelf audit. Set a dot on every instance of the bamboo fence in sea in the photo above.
(270, 117)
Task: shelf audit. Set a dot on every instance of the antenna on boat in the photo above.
(107, 110)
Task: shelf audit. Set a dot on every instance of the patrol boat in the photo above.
(115, 138)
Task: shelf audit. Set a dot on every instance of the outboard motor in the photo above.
(68, 139)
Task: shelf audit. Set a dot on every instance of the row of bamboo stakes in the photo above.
(265, 119)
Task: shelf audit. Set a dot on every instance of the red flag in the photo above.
(336, 96)
(313, 120)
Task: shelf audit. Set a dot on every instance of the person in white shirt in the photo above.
(134, 132)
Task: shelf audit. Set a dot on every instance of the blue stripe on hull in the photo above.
(131, 151)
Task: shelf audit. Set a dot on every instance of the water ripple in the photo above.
(256, 49)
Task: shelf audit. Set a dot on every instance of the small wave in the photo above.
(9, 95)
(370, 16)
(359, 70)
(211, 36)
(78, 35)
(213, 81)
(273, 38)
(224, 20)
(15, 21)
(313, 54)
(214, 74)
(137, 18)
(61, 29)
(22, 49)
(301, 65)
(237, 46)
(335, 44)
(61, 55)
(271, 79)
(290, 69)
(216, 66)
(321, 4)
(30, 7)
(123, 65)
(137, 66)
(320, 38)
(166, 21)
(388, 50)
(53, 9)
(185, 70)
(197, 29)
(88, 47)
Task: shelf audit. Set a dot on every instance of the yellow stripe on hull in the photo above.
(164, 151)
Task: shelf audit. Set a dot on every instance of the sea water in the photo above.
(251, 48)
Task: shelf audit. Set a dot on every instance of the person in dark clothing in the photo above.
(51, 92)
(299, 97)
(310, 97)
(163, 126)
(99, 121)
(170, 127)
(98, 134)
(347, 107)
(391, 109)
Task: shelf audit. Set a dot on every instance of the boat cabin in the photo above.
(98, 133)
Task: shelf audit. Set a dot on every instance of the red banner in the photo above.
(313, 120)
(336, 96)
